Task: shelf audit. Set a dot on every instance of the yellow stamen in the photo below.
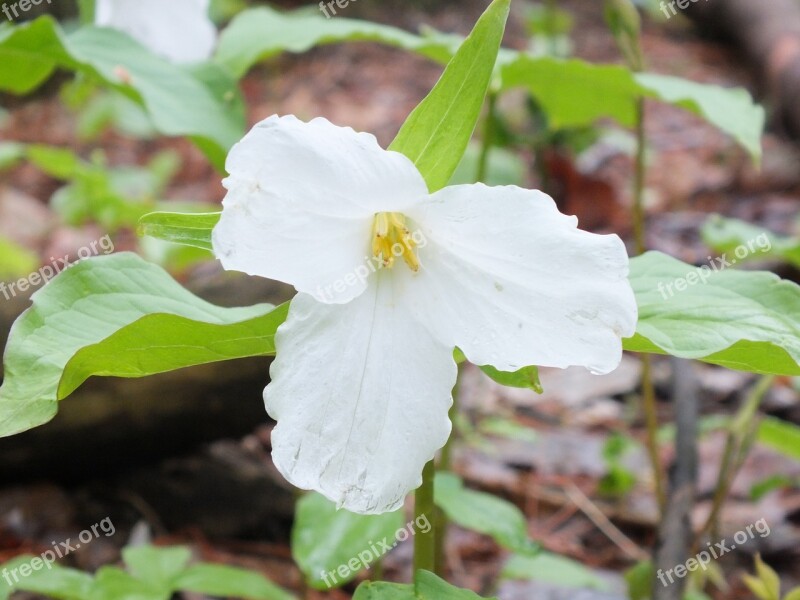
(391, 239)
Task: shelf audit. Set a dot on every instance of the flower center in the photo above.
(391, 239)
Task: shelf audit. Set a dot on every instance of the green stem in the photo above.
(649, 405)
(445, 464)
(488, 137)
(736, 447)
(424, 507)
(639, 220)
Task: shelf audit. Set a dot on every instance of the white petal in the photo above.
(302, 198)
(360, 392)
(179, 30)
(513, 282)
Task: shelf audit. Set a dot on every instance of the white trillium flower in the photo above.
(179, 30)
(391, 279)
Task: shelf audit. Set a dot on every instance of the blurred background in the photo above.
(184, 458)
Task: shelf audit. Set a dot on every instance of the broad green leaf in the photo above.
(748, 321)
(551, 568)
(61, 163)
(332, 546)
(483, 513)
(54, 581)
(731, 110)
(222, 580)
(427, 586)
(781, 436)
(526, 378)
(561, 87)
(180, 228)
(259, 33)
(436, 134)
(158, 343)
(111, 583)
(727, 235)
(156, 565)
(117, 315)
(204, 104)
(15, 261)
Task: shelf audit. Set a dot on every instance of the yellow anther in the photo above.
(391, 239)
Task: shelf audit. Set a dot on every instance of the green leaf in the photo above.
(54, 581)
(15, 261)
(772, 583)
(156, 565)
(260, 33)
(640, 580)
(180, 228)
(749, 321)
(727, 235)
(221, 580)
(205, 104)
(562, 86)
(117, 315)
(696, 596)
(781, 436)
(483, 513)
(551, 568)
(526, 378)
(332, 546)
(730, 110)
(427, 586)
(793, 595)
(761, 488)
(111, 583)
(436, 134)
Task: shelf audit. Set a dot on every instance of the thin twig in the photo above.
(602, 522)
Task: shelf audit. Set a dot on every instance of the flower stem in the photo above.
(425, 543)
(445, 464)
(639, 227)
(649, 405)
